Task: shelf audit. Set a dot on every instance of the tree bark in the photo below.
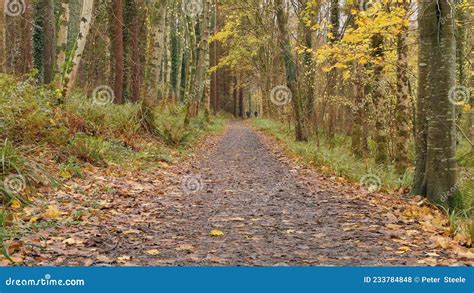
(436, 167)
(3, 49)
(118, 52)
(380, 101)
(158, 22)
(202, 65)
(403, 113)
(49, 41)
(136, 60)
(291, 73)
(61, 44)
(70, 75)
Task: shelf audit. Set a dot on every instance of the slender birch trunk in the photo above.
(69, 78)
(61, 43)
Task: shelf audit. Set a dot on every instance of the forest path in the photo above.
(270, 211)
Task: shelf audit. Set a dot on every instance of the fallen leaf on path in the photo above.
(153, 252)
(71, 241)
(131, 232)
(441, 242)
(52, 212)
(124, 258)
(104, 258)
(217, 233)
(16, 204)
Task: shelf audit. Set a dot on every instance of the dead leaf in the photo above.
(52, 212)
(217, 233)
(104, 258)
(124, 258)
(71, 241)
(153, 252)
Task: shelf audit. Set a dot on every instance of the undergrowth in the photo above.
(77, 132)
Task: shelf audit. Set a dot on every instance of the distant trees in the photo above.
(357, 70)
(363, 83)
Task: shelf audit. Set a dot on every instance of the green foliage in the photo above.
(71, 169)
(26, 111)
(11, 162)
(169, 126)
(11, 159)
(108, 121)
(88, 148)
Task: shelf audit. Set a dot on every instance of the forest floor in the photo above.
(238, 201)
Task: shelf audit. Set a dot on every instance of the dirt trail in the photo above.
(271, 212)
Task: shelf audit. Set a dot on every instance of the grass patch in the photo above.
(78, 132)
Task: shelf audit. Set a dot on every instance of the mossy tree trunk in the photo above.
(70, 74)
(291, 72)
(436, 165)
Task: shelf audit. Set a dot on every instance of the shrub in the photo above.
(71, 169)
(88, 149)
(168, 124)
(108, 121)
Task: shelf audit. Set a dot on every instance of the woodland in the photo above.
(236, 132)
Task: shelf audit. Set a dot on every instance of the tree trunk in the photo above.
(158, 23)
(291, 73)
(403, 113)
(235, 94)
(86, 20)
(118, 52)
(436, 165)
(136, 60)
(202, 66)
(3, 49)
(332, 76)
(241, 101)
(61, 43)
(380, 101)
(49, 41)
(358, 113)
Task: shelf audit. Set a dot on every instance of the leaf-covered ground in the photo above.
(238, 201)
